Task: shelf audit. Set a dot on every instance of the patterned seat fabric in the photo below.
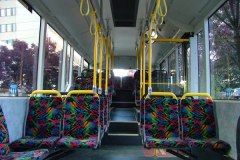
(29, 155)
(81, 121)
(83, 84)
(43, 123)
(162, 123)
(6, 154)
(102, 113)
(87, 73)
(199, 128)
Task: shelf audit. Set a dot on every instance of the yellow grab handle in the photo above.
(169, 94)
(196, 94)
(81, 92)
(46, 92)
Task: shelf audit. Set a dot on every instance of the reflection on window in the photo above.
(18, 49)
(68, 64)
(85, 64)
(172, 67)
(76, 64)
(225, 51)
(53, 58)
(180, 64)
(201, 62)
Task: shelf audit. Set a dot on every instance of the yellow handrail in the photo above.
(46, 92)
(106, 79)
(150, 58)
(110, 60)
(81, 92)
(170, 40)
(81, 8)
(160, 12)
(100, 66)
(95, 58)
(144, 64)
(168, 94)
(141, 67)
(196, 94)
(93, 23)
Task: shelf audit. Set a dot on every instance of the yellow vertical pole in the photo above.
(137, 56)
(141, 67)
(100, 66)
(95, 56)
(144, 65)
(106, 79)
(150, 58)
(112, 59)
(109, 57)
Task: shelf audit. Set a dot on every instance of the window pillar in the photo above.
(64, 60)
(193, 64)
(71, 67)
(41, 57)
(206, 57)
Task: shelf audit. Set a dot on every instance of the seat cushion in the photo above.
(71, 142)
(4, 149)
(165, 143)
(29, 155)
(192, 143)
(213, 144)
(217, 145)
(29, 142)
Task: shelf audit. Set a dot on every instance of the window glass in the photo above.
(201, 62)
(3, 13)
(85, 65)
(19, 51)
(163, 65)
(3, 28)
(180, 64)
(172, 67)
(53, 57)
(225, 51)
(9, 13)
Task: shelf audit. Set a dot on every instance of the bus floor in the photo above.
(119, 152)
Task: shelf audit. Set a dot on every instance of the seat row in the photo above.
(77, 121)
(180, 124)
(5, 150)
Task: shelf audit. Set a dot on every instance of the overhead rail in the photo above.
(170, 40)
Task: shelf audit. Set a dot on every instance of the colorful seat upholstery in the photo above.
(199, 129)
(81, 122)
(162, 123)
(43, 124)
(6, 154)
(83, 84)
(87, 73)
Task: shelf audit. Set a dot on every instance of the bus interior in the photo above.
(119, 79)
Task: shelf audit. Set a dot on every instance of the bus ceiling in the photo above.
(123, 21)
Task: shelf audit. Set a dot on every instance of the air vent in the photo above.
(124, 12)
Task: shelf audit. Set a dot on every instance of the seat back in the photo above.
(87, 73)
(81, 118)
(4, 138)
(44, 117)
(197, 117)
(161, 118)
(83, 83)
